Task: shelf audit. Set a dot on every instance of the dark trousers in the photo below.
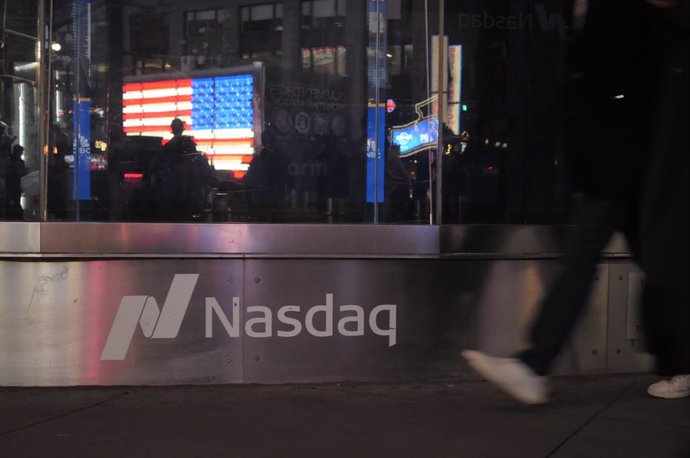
(595, 223)
(665, 220)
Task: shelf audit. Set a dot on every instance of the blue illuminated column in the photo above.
(376, 112)
(375, 193)
(81, 178)
(81, 114)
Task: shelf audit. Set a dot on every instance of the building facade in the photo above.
(278, 191)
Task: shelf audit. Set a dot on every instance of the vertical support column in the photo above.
(376, 72)
(231, 32)
(43, 57)
(292, 13)
(441, 112)
(355, 67)
(115, 52)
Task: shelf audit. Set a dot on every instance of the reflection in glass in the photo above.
(19, 147)
(307, 110)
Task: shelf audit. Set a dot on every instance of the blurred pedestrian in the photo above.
(664, 212)
(16, 168)
(612, 67)
(5, 151)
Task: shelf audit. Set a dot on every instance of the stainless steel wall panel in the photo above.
(507, 298)
(239, 239)
(624, 354)
(422, 292)
(585, 351)
(56, 318)
(617, 247)
(499, 241)
(272, 240)
(442, 308)
(19, 237)
(496, 239)
(178, 321)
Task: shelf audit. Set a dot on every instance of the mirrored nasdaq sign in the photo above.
(416, 136)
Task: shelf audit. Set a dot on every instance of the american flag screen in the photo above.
(218, 113)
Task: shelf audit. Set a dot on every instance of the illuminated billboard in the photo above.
(218, 113)
(416, 136)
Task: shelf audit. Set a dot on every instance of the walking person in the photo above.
(664, 212)
(610, 95)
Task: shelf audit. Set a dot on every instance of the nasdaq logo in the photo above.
(143, 311)
(321, 320)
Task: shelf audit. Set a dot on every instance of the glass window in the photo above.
(322, 38)
(203, 39)
(262, 12)
(261, 37)
(324, 111)
(503, 155)
(323, 8)
(19, 121)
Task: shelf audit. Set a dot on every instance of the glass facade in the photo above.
(301, 111)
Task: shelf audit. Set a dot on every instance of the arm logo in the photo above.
(154, 322)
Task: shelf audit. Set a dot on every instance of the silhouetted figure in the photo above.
(16, 168)
(266, 178)
(57, 174)
(5, 151)
(454, 184)
(333, 180)
(397, 184)
(181, 178)
(116, 169)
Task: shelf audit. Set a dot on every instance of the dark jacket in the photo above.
(665, 209)
(610, 82)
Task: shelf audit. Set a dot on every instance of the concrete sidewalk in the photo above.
(589, 417)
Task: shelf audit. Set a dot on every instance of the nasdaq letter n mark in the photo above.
(154, 322)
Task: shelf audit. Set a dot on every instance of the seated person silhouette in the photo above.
(180, 177)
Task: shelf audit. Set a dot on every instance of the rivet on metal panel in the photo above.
(228, 359)
(618, 351)
(257, 358)
(257, 280)
(229, 279)
(620, 278)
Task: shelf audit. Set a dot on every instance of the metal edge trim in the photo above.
(20, 237)
(185, 240)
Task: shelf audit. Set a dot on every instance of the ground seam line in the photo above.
(592, 418)
(65, 414)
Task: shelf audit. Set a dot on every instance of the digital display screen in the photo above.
(218, 113)
(416, 136)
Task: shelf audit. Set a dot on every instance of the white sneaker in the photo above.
(676, 388)
(511, 375)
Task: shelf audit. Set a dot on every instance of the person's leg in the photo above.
(566, 299)
(677, 387)
(523, 377)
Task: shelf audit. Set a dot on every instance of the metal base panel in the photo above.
(190, 321)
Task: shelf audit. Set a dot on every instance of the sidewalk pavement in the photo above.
(604, 416)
